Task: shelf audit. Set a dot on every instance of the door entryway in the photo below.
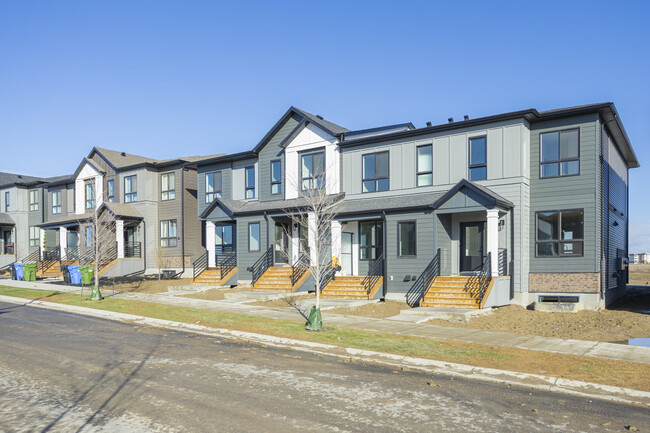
(282, 243)
(346, 253)
(472, 246)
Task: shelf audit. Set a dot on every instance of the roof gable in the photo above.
(84, 162)
(469, 194)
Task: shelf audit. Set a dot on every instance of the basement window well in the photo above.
(567, 299)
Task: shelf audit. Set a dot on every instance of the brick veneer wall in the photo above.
(564, 283)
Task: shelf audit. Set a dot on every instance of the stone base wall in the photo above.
(564, 282)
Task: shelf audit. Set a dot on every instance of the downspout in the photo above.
(266, 218)
(385, 255)
(144, 256)
(182, 220)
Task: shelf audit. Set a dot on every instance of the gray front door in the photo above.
(281, 243)
(472, 246)
(346, 253)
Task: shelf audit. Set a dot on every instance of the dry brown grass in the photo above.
(640, 275)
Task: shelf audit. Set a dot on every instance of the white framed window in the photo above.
(56, 202)
(110, 191)
(33, 200)
(212, 186)
(130, 189)
(34, 236)
(250, 182)
(167, 186)
(168, 233)
(90, 195)
(425, 165)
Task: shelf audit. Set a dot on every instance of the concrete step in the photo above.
(448, 305)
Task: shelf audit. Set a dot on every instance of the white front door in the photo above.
(346, 253)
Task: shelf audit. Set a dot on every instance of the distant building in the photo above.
(639, 258)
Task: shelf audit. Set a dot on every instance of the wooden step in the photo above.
(212, 277)
(278, 279)
(350, 288)
(455, 292)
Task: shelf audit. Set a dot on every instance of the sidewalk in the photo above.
(613, 351)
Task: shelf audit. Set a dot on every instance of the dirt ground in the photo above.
(143, 285)
(213, 294)
(640, 275)
(379, 310)
(289, 301)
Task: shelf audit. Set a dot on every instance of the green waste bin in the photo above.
(29, 271)
(86, 272)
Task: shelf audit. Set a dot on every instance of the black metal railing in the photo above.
(262, 264)
(227, 263)
(421, 285)
(485, 276)
(133, 250)
(299, 268)
(71, 253)
(87, 256)
(49, 259)
(106, 257)
(33, 257)
(327, 274)
(199, 265)
(375, 272)
(503, 261)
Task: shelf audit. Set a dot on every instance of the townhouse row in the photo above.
(517, 207)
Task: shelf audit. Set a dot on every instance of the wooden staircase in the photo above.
(278, 279)
(212, 277)
(350, 288)
(54, 271)
(456, 292)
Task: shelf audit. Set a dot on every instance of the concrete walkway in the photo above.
(619, 352)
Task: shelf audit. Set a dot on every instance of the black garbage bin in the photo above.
(168, 274)
(13, 273)
(66, 274)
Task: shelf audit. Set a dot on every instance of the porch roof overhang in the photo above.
(117, 210)
(375, 205)
(122, 211)
(241, 207)
(66, 220)
(6, 220)
(471, 196)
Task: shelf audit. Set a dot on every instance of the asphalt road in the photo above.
(69, 373)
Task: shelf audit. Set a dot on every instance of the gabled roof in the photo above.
(228, 206)
(6, 220)
(121, 210)
(483, 191)
(119, 160)
(90, 162)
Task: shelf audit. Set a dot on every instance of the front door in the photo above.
(472, 246)
(346, 253)
(282, 243)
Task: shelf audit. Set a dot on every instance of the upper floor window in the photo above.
(406, 238)
(56, 202)
(130, 189)
(276, 177)
(559, 233)
(212, 186)
(7, 201)
(168, 233)
(110, 191)
(90, 196)
(425, 165)
(250, 182)
(478, 158)
(312, 170)
(168, 186)
(33, 199)
(375, 172)
(34, 236)
(559, 153)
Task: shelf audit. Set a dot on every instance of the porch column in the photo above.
(63, 240)
(336, 239)
(311, 233)
(209, 243)
(119, 238)
(295, 242)
(41, 234)
(493, 240)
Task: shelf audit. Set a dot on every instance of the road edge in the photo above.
(504, 377)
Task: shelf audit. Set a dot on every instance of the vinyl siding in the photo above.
(226, 183)
(244, 257)
(271, 151)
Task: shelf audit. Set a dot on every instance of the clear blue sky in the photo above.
(163, 78)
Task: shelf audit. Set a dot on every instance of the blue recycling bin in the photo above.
(18, 270)
(75, 275)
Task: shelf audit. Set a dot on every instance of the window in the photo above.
(7, 201)
(312, 171)
(425, 165)
(168, 233)
(560, 233)
(559, 153)
(90, 196)
(223, 239)
(33, 200)
(56, 202)
(34, 236)
(110, 191)
(130, 189)
(89, 236)
(375, 172)
(168, 187)
(250, 182)
(276, 177)
(212, 186)
(371, 239)
(478, 158)
(253, 236)
(406, 238)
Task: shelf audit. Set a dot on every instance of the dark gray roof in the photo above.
(332, 127)
(7, 179)
(490, 195)
(120, 160)
(66, 220)
(122, 210)
(242, 207)
(403, 201)
(6, 220)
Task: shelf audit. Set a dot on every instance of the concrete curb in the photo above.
(526, 380)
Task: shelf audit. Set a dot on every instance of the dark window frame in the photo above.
(259, 246)
(248, 187)
(132, 195)
(34, 242)
(315, 178)
(415, 239)
(276, 182)
(559, 240)
(418, 172)
(171, 186)
(110, 195)
(225, 247)
(7, 201)
(375, 246)
(211, 196)
(90, 202)
(375, 179)
(56, 208)
(169, 238)
(470, 166)
(88, 236)
(560, 160)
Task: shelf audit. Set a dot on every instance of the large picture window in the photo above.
(312, 171)
(212, 186)
(425, 165)
(56, 202)
(276, 177)
(130, 189)
(559, 153)
(33, 199)
(478, 158)
(250, 182)
(375, 172)
(253, 236)
(168, 233)
(406, 238)
(167, 186)
(559, 233)
(371, 239)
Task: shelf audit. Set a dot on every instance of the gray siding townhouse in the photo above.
(517, 208)
(152, 203)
